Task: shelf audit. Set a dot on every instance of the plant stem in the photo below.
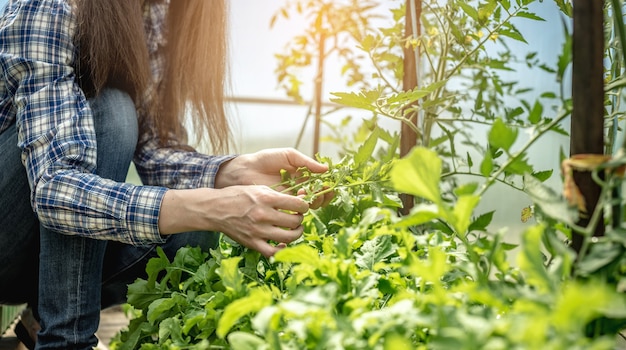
(482, 42)
(619, 27)
(454, 173)
(523, 150)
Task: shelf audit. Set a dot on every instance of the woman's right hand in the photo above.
(251, 215)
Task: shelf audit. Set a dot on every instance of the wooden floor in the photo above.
(111, 321)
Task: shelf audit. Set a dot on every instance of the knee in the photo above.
(115, 118)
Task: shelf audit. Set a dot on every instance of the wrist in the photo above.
(180, 212)
(229, 173)
(201, 209)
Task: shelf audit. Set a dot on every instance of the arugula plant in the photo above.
(364, 278)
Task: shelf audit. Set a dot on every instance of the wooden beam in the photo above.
(587, 126)
(408, 137)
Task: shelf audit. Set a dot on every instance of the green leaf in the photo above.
(530, 260)
(536, 113)
(257, 299)
(170, 331)
(580, 302)
(299, 254)
(599, 256)
(463, 211)
(565, 58)
(510, 114)
(373, 251)
(542, 175)
(366, 150)
(486, 10)
(140, 294)
(156, 265)
(529, 15)
(246, 341)
(519, 166)
(513, 34)
(368, 43)
(566, 7)
(231, 277)
(481, 222)
(395, 341)
(420, 214)
(362, 100)
(159, 309)
(418, 174)
(501, 135)
(486, 166)
(410, 96)
(469, 10)
(468, 188)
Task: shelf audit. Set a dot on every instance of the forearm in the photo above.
(180, 211)
(202, 209)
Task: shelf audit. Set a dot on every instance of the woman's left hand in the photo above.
(264, 167)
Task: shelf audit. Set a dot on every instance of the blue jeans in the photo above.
(70, 278)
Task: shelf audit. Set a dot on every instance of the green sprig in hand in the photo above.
(321, 187)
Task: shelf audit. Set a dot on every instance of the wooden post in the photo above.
(408, 137)
(319, 79)
(587, 126)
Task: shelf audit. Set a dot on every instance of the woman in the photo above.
(88, 86)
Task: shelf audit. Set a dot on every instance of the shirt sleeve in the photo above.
(175, 167)
(56, 132)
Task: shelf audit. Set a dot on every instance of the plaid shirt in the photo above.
(39, 92)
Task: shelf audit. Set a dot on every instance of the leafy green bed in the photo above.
(364, 278)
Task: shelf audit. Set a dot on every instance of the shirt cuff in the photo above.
(211, 169)
(142, 214)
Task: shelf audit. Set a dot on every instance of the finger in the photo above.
(328, 197)
(287, 220)
(266, 249)
(297, 160)
(282, 235)
(317, 202)
(290, 203)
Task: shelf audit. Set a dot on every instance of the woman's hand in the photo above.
(242, 206)
(251, 215)
(263, 168)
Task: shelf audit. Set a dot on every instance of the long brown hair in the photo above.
(113, 52)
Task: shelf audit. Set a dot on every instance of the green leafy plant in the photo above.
(364, 277)
(361, 278)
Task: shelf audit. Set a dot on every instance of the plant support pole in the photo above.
(408, 137)
(587, 127)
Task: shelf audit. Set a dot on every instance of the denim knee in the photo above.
(115, 119)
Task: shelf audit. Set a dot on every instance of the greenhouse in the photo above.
(475, 153)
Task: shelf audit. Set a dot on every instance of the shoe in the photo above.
(26, 328)
(22, 334)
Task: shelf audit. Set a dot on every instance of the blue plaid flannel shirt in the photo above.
(39, 92)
